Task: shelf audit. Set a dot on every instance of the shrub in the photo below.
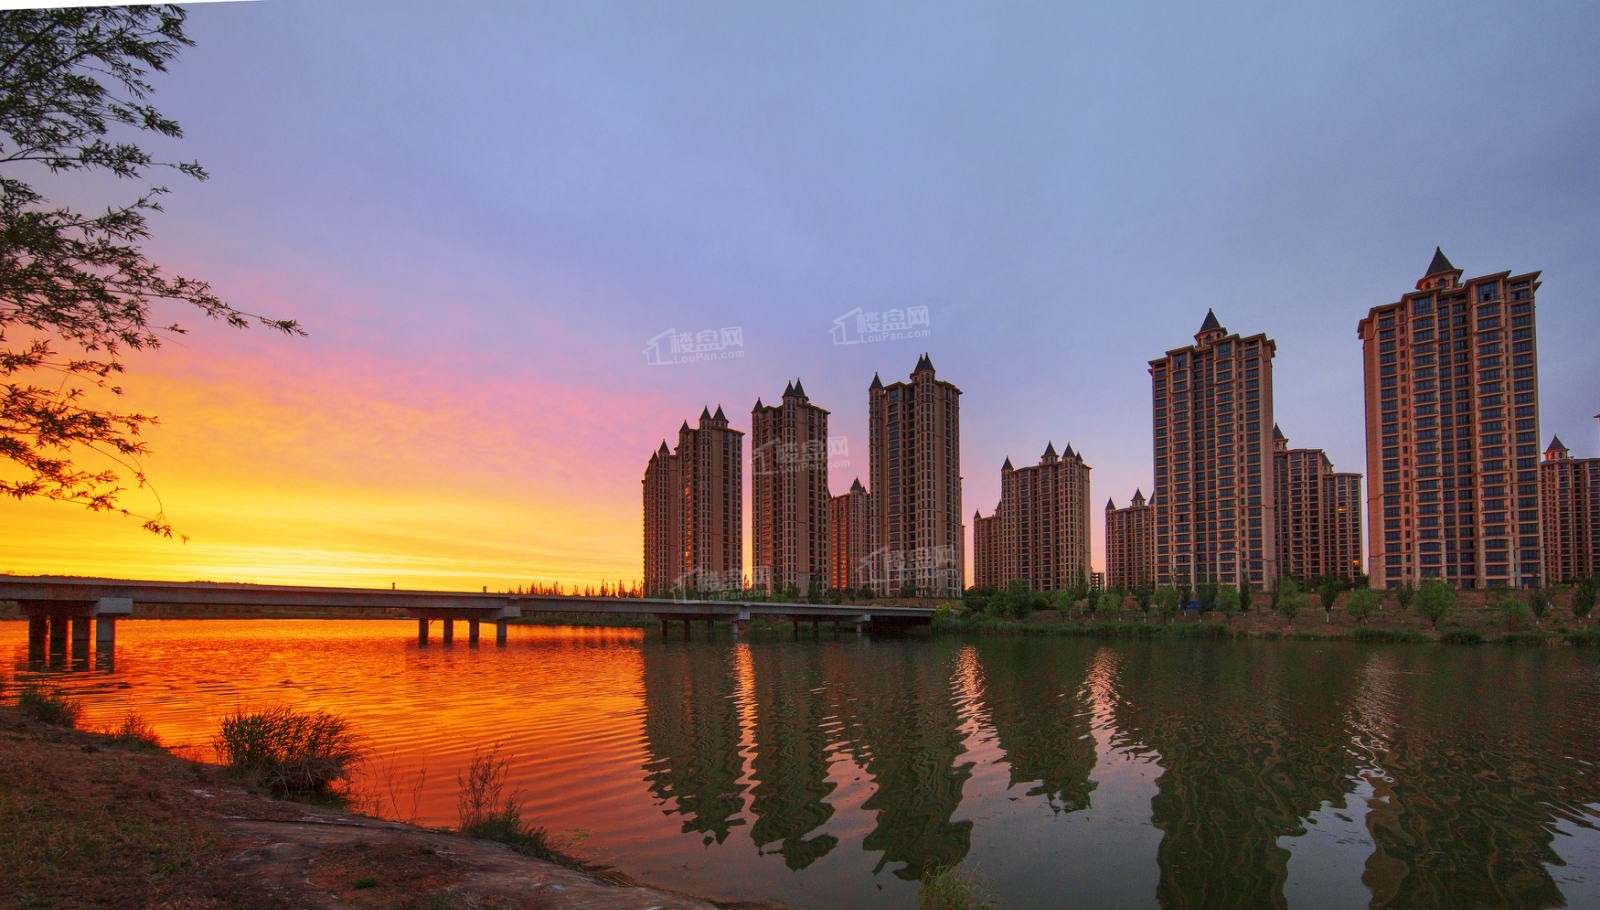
(134, 733)
(289, 751)
(1288, 600)
(1584, 638)
(1583, 597)
(952, 889)
(488, 813)
(1361, 604)
(1395, 635)
(1525, 638)
(1435, 600)
(47, 704)
(1461, 637)
(1510, 608)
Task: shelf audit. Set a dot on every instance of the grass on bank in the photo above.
(289, 752)
(134, 733)
(488, 812)
(49, 705)
(953, 888)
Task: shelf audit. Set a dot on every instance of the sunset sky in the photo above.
(485, 213)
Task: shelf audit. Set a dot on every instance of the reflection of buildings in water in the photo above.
(1249, 748)
(1040, 718)
(789, 765)
(692, 736)
(1473, 783)
(902, 727)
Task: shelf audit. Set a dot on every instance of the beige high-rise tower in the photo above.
(917, 535)
(1130, 544)
(1570, 489)
(1452, 401)
(851, 538)
(1042, 532)
(790, 505)
(1318, 514)
(1214, 497)
(693, 524)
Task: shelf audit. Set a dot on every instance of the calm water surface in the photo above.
(828, 773)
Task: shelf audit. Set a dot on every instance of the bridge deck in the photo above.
(72, 593)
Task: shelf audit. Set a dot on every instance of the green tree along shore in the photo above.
(1433, 612)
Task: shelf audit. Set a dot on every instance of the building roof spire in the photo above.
(1440, 264)
(1007, 465)
(924, 363)
(1211, 324)
(1555, 445)
(799, 389)
(1050, 450)
(877, 383)
(857, 487)
(719, 415)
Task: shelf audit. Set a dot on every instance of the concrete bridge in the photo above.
(54, 604)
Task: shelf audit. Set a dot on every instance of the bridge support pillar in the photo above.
(711, 629)
(105, 642)
(38, 631)
(449, 630)
(737, 627)
(58, 636)
(836, 628)
(472, 631)
(422, 633)
(80, 638)
(663, 628)
(686, 628)
(500, 633)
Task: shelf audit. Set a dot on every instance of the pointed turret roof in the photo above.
(1070, 453)
(1110, 506)
(759, 405)
(684, 428)
(876, 382)
(799, 389)
(857, 487)
(977, 514)
(664, 450)
(1050, 450)
(1440, 263)
(924, 363)
(1138, 495)
(705, 413)
(788, 390)
(719, 415)
(1211, 323)
(1277, 432)
(1007, 465)
(1555, 445)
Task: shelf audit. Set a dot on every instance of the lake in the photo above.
(1059, 771)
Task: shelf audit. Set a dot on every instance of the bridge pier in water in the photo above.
(59, 630)
(475, 617)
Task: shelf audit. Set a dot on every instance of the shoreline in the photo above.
(88, 823)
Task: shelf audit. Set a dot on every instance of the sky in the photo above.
(486, 214)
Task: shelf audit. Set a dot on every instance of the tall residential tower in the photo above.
(1452, 402)
(1041, 534)
(916, 531)
(693, 527)
(789, 505)
(1214, 498)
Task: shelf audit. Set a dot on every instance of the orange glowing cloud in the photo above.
(286, 461)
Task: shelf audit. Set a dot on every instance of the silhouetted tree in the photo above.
(1539, 598)
(1288, 600)
(76, 291)
(1583, 598)
(1328, 593)
(1227, 602)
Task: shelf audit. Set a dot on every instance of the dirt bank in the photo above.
(87, 824)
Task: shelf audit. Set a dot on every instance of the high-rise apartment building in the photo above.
(986, 540)
(1452, 402)
(1318, 514)
(1570, 488)
(851, 538)
(1131, 544)
(789, 505)
(1214, 497)
(693, 526)
(1043, 523)
(917, 536)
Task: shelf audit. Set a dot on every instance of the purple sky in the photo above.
(504, 193)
